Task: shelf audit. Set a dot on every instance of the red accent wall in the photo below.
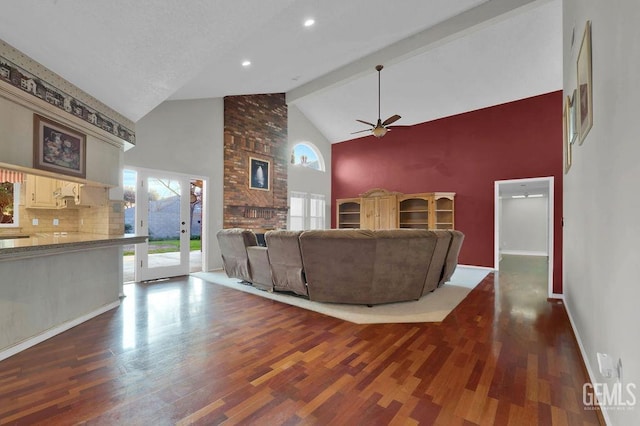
(464, 154)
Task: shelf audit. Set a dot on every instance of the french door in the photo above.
(162, 213)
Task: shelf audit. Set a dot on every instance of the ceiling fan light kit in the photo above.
(380, 128)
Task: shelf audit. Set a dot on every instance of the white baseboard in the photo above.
(55, 330)
(585, 358)
(556, 296)
(525, 252)
(485, 268)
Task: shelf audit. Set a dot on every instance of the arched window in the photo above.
(305, 154)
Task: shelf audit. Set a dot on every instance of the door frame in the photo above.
(204, 225)
(549, 180)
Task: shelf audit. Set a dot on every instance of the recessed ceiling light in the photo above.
(309, 22)
(246, 63)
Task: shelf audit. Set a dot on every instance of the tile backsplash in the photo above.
(104, 220)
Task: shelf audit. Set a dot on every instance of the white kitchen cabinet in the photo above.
(40, 193)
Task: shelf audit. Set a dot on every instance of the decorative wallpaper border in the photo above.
(42, 83)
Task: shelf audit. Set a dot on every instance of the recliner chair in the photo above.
(286, 261)
(233, 246)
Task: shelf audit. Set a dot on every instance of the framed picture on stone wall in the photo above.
(58, 148)
(259, 174)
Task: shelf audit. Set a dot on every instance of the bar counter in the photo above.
(50, 282)
(42, 244)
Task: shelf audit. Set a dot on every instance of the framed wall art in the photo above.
(584, 111)
(566, 133)
(259, 174)
(573, 132)
(58, 148)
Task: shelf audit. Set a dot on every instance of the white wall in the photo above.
(16, 140)
(523, 226)
(187, 137)
(303, 179)
(601, 205)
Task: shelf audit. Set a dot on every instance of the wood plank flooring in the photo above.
(185, 351)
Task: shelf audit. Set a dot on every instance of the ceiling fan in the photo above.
(380, 128)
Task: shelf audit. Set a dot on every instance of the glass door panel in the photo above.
(162, 213)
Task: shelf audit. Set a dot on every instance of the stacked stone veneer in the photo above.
(255, 126)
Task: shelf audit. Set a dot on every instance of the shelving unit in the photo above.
(413, 212)
(381, 209)
(348, 213)
(444, 211)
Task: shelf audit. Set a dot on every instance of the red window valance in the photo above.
(11, 176)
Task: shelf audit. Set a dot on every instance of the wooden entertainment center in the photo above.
(382, 209)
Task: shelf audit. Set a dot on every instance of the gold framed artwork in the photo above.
(573, 132)
(58, 148)
(584, 110)
(566, 133)
(259, 174)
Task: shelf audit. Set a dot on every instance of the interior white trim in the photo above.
(525, 252)
(550, 214)
(585, 358)
(26, 344)
(486, 268)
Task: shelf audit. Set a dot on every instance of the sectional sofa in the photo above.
(345, 265)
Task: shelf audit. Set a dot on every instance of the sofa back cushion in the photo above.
(286, 261)
(436, 266)
(233, 246)
(451, 261)
(339, 264)
(402, 262)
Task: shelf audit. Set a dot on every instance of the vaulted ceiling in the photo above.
(441, 57)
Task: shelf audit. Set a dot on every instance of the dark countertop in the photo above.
(41, 244)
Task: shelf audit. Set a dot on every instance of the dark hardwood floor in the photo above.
(185, 351)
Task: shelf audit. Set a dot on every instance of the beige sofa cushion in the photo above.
(233, 247)
(260, 267)
(403, 258)
(451, 261)
(366, 267)
(436, 264)
(286, 261)
(339, 264)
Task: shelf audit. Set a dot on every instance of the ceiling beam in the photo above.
(474, 19)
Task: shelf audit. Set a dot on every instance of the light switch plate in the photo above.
(34, 222)
(56, 222)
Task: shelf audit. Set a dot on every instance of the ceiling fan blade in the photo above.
(391, 119)
(367, 123)
(360, 131)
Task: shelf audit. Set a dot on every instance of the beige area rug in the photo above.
(433, 307)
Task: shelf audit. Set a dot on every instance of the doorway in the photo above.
(168, 208)
(523, 224)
